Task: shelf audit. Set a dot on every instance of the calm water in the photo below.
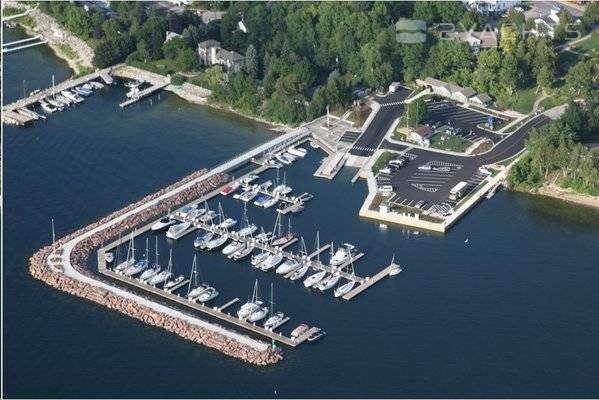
(513, 312)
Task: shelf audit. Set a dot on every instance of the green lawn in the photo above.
(521, 101)
(444, 141)
(382, 161)
(163, 66)
(588, 46)
(552, 101)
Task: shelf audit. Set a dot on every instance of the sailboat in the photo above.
(395, 268)
(163, 276)
(130, 260)
(223, 221)
(202, 239)
(194, 289)
(282, 189)
(138, 266)
(253, 310)
(149, 273)
(316, 277)
(347, 286)
(280, 239)
(246, 228)
(270, 262)
(300, 271)
(259, 258)
(243, 252)
(275, 318)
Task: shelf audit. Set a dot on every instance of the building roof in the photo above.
(423, 131)
(483, 97)
(451, 87)
(231, 56)
(485, 39)
(209, 43)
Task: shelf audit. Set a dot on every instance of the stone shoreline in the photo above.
(39, 269)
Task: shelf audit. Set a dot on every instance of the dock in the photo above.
(367, 283)
(23, 44)
(142, 94)
(228, 304)
(214, 312)
(177, 286)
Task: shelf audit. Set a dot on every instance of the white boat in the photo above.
(282, 158)
(232, 247)
(299, 330)
(47, 107)
(248, 195)
(72, 96)
(259, 258)
(270, 202)
(260, 313)
(163, 223)
(140, 265)
(274, 320)
(176, 230)
(151, 272)
(249, 179)
(194, 289)
(227, 223)
(314, 145)
(208, 294)
(263, 236)
(299, 273)
(328, 282)
(217, 242)
(345, 288)
(63, 100)
(96, 85)
(135, 83)
(59, 106)
(248, 230)
(290, 156)
(230, 188)
(297, 151)
(342, 255)
(242, 253)
(271, 261)
(165, 275)
(289, 265)
(82, 91)
(314, 278)
(254, 305)
(395, 268)
(174, 282)
(274, 164)
(208, 216)
(130, 259)
(185, 210)
(280, 239)
(28, 113)
(109, 257)
(202, 240)
(87, 86)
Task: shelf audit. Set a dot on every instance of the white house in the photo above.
(210, 53)
(449, 90)
(491, 6)
(421, 136)
(476, 40)
(481, 98)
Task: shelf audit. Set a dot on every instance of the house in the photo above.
(545, 25)
(210, 53)
(449, 90)
(491, 6)
(421, 136)
(481, 98)
(476, 40)
(171, 35)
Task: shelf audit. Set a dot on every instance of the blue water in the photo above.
(511, 313)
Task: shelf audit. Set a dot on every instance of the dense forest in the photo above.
(302, 56)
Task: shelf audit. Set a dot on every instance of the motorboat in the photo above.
(217, 242)
(28, 113)
(259, 258)
(290, 156)
(232, 247)
(57, 104)
(163, 223)
(274, 320)
(249, 179)
(63, 100)
(194, 214)
(284, 159)
(261, 200)
(87, 86)
(297, 151)
(270, 262)
(185, 210)
(328, 282)
(227, 223)
(394, 268)
(72, 96)
(299, 273)
(314, 145)
(82, 91)
(265, 185)
(274, 164)
(342, 255)
(47, 107)
(270, 202)
(289, 265)
(263, 236)
(242, 253)
(208, 294)
(202, 240)
(316, 336)
(305, 197)
(96, 85)
(176, 230)
(345, 288)
(282, 190)
(109, 257)
(299, 330)
(314, 278)
(172, 283)
(248, 195)
(135, 83)
(230, 188)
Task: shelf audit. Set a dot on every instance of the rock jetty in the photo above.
(39, 268)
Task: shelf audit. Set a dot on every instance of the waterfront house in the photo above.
(448, 89)
(421, 136)
(476, 40)
(211, 53)
(486, 7)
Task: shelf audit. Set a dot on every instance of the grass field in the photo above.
(521, 101)
(444, 141)
(67, 51)
(382, 161)
(589, 46)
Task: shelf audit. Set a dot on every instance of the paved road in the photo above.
(391, 107)
(413, 185)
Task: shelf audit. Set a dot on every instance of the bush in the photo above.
(178, 79)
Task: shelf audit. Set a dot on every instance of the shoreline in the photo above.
(567, 195)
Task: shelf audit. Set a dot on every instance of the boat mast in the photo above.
(221, 214)
(193, 276)
(318, 247)
(169, 268)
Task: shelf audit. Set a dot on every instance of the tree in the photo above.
(171, 48)
(509, 38)
(509, 74)
(187, 60)
(487, 71)
(545, 77)
(251, 62)
(590, 16)
(416, 112)
(450, 60)
(377, 73)
(472, 20)
(580, 78)
(193, 35)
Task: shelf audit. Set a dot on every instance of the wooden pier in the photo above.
(142, 94)
(228, 304)
(368, 282)
(177, 286)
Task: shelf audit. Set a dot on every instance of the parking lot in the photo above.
(449, 115)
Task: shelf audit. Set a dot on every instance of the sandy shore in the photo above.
(568, 195)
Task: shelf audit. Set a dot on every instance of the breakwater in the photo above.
(39, 267)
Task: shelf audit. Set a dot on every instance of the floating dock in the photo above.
(142, 94)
